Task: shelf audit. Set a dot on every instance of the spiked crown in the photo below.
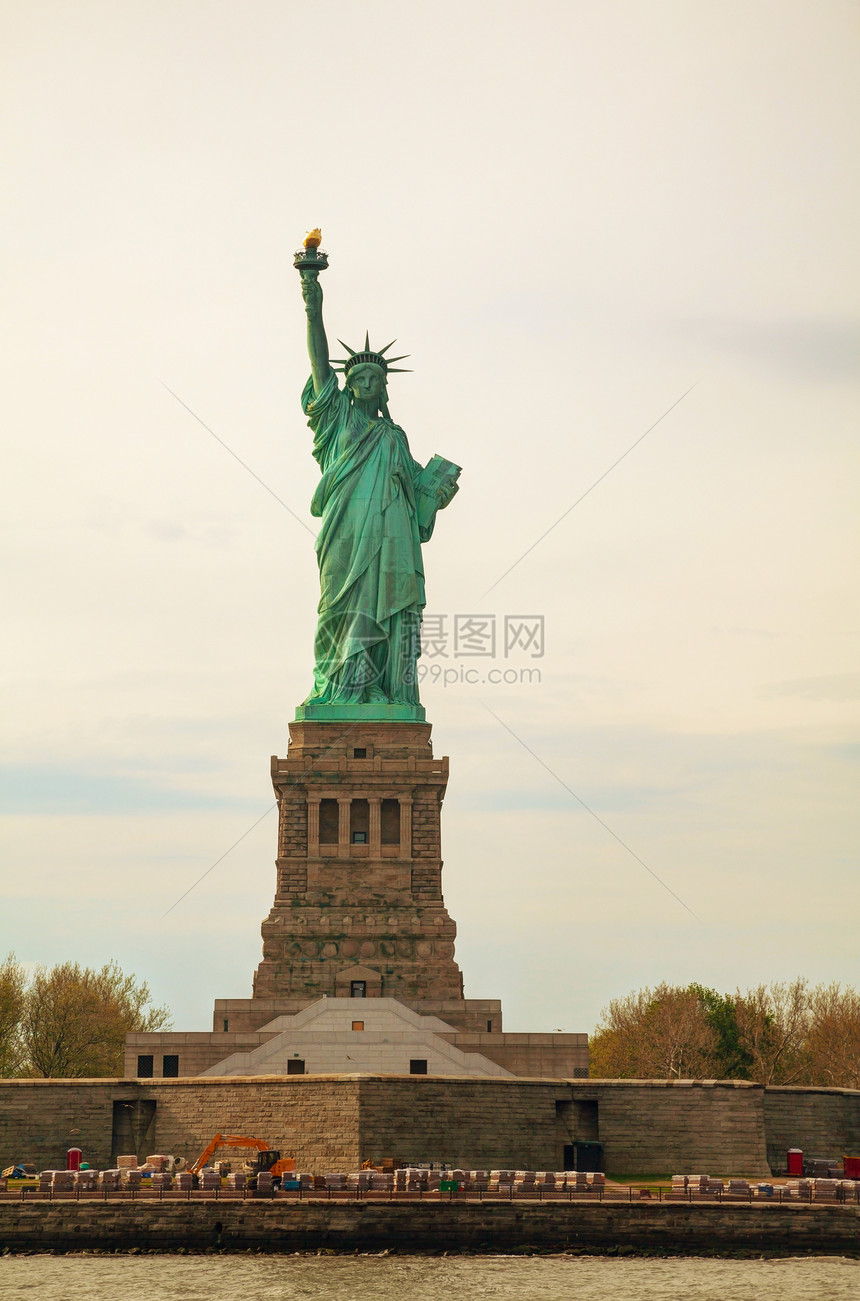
(368, 354)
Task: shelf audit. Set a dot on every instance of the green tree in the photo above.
(833, 1039)
(732, 1060)
(774, 1024)
(13, 982)
(782, 1033)
(75, 1020)
(659, 1033)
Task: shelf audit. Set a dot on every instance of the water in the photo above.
(420, 1278)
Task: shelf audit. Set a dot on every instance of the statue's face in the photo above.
(367, 382)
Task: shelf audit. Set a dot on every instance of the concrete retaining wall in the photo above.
(502, 1227)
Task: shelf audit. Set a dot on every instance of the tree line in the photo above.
(69, 1021)
(782, 1033)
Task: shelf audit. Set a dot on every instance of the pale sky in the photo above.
(568, 214)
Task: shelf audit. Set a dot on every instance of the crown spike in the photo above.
(399, 370)
(383, 351)
(351, 351)
(367, 341)
(403, 358)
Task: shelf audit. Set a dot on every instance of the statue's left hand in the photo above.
(444, 495)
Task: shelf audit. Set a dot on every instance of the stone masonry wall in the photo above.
(646, 1127)
(821, 1122)
(664, 1128)
(312, 1117)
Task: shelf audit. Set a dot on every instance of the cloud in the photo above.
(48, 790)
(804, 348)
(835, 686)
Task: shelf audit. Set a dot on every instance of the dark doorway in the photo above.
(358, 989)
(133, 1129)
(295, 1066)
(418, 1066)
(587, 1156)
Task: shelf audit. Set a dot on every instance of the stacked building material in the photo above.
(109, 1178)
(85, 1180)
(826, 1190)
(306, 1180)
(335, 1180)
(161, 1179)
(156, 1162)
(737, 1188)
(382, 1180)
(210, 1179)
(55, 1180)
(126, 1162)
(264, 1181)
(237, 1180)
(822, 1167)
(358, 1179)
(184, 1181)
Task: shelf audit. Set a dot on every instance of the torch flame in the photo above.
(313, 239)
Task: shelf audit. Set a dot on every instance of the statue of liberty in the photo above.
(377, 506)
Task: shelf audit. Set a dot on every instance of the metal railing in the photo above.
(612, 1193)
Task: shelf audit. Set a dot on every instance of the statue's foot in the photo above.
(376, 696)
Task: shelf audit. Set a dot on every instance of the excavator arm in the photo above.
(226, 1140)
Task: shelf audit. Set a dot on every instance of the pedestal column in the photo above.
(344, 806)
(374, 803)
(313, 826)
(405, 828)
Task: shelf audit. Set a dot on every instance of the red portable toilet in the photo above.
(794, 1161)
(73, 1158)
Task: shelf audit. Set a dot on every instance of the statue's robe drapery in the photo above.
(369, 553)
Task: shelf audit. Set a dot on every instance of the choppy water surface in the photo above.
(374, 1278)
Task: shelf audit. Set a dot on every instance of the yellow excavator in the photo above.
(267, 1159)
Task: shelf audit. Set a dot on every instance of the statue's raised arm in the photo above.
(317, 342)
(309, 264)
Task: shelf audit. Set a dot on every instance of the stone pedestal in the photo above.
(358, 906)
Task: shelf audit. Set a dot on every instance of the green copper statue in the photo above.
(377, 506)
